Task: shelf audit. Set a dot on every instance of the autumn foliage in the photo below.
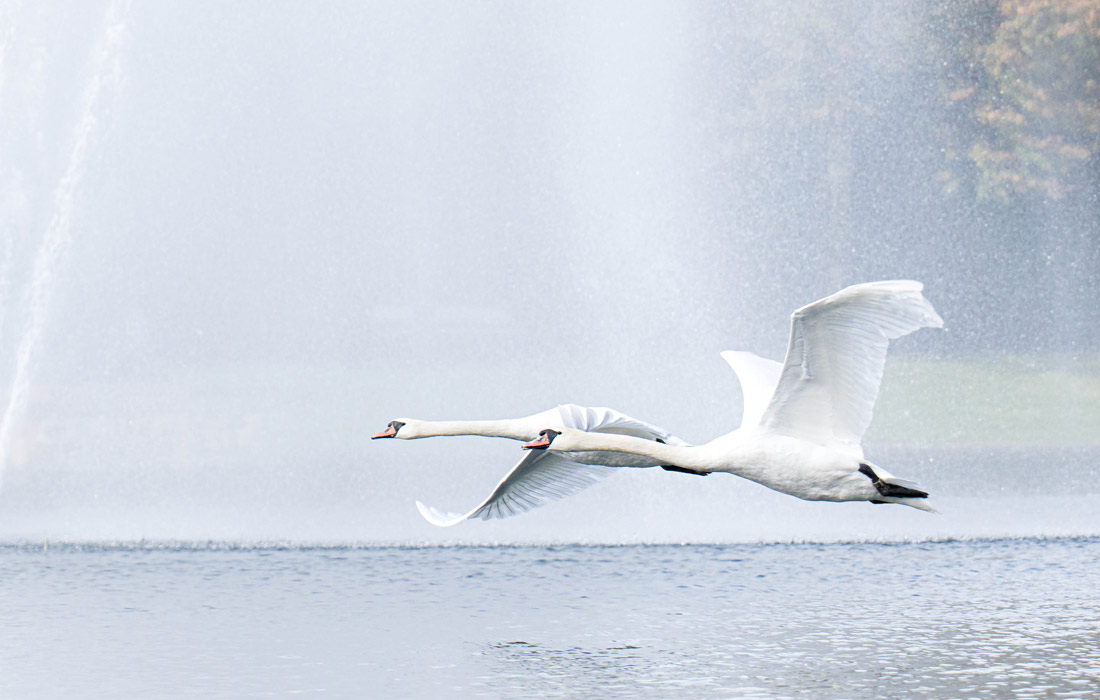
(1038, 110)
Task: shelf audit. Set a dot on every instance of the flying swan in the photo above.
(541, 476)
(806, 439)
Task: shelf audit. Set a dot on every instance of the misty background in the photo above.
(237, 240)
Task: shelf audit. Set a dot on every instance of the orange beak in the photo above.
(389, 432)
(538, 443)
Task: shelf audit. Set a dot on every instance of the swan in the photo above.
(805, 441)
(540, 477)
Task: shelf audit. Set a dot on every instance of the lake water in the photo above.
(1015, 618)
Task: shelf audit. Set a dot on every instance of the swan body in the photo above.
(540, 477)
(786, 464)
(804, 440)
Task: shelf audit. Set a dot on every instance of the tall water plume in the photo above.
(48, 259)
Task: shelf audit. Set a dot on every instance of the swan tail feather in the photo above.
(919, 503)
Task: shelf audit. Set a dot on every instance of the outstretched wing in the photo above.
(608, 420)
(542, 476)
(759, 377)
(539, 478)
(835, 357)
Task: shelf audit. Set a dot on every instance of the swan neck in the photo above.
(486, 428)
(688, 457)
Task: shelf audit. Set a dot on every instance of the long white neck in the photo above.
(507, 428)
(688, 457)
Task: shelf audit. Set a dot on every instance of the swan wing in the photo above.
(759, 377)
(835, 358)
(542, 476)
(539, 478)
(608, 420)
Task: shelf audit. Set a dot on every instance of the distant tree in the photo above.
(1032, 96)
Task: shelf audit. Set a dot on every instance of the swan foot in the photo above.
(683, 470)
(886, 488)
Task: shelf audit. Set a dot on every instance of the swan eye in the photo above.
(396, 425)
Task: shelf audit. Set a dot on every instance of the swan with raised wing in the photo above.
(540, 477)
(806, 441)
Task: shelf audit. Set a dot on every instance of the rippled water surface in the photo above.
(966, 619)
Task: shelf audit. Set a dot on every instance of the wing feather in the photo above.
(540, 477)
(835, 357)
(759, 377)
(608, 420)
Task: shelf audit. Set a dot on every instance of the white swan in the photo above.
(806, 442)
(540, 477)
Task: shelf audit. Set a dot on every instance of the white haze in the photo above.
(239, 238)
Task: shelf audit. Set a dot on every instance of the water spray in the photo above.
(58, 236)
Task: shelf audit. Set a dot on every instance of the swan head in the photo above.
(393, 429)
(544, 440)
